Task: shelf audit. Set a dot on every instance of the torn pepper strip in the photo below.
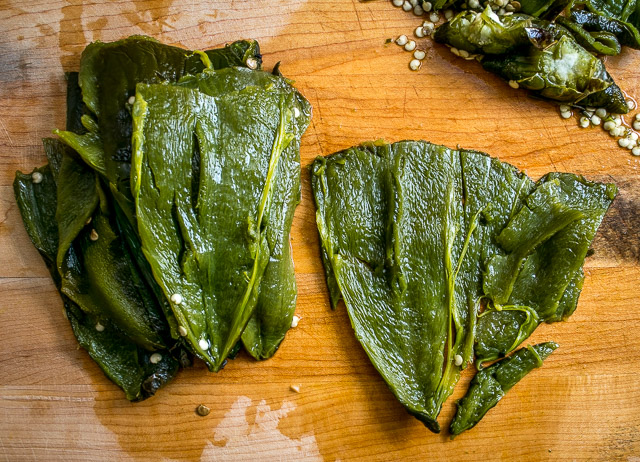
(440, 253)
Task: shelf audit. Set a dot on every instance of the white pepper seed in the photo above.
(296, 112)
(398, 3)
(182, 331)
(565, 115)
(457, 360)
(473, 4)
(94, 235)
(402, 40)
(99, 327)
(623, 142)
(595, 120)
(294, 321)
(428, 27)
(601, 112)
(584, 122)
(618, 120)
(590, 109)
(633, 136)
(406, 6)
(636, 151)
(455, 51)
(418, 11)
(131, 100)
(413, 2)
(638, 116)
(501, 12)
(176, 298)
(419, 54)
(414, 65)
(426, 6)
(609, 125)
(434, 17)
(419, 32)
(636, 125)
(565, 108)
(514, 84)
(448, 14)
(155, 358)
(36, 177)
(203, 344)
(252, 63)
(410, 46)
(631, 103)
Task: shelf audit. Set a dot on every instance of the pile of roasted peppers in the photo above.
(549, 46)
(445, 256)
(164, 211)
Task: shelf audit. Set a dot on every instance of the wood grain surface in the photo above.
(55, 404)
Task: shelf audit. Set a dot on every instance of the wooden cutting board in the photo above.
(55, 404)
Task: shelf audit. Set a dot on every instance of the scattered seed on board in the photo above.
(636, 151)
(419, 32)
(636, 125)
(514, 84)
(418, 11)
(402, 40)
(99, 327)
(595, 120)
(631, 103)
(410, 46)
(601, 112)
(406, 6)
(94, 235)
(434, 17)
(131, 100)
(623, 142)
(203, 410)
(426, 6)
(455, 51)
(463, 54)
(584, 122)
(457, 360)
(565, 115)
(565, 108)
(419, 54)
(37, 177)
(398, 3)
(182, 331)
(294, 388)
(414, 65)
(428, 27)
(155, 358)
(294, 321)
(609, 125)
(176, 298)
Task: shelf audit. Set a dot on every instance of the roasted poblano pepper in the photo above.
(205, 234)
(552, 59)
(277, 299)
(500, 254)
(125, 363)
(489, 385)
